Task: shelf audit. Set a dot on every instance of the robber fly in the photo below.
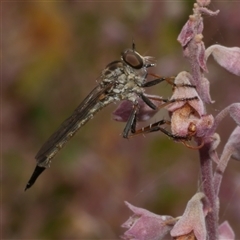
(120, 80)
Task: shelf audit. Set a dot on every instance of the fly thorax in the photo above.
(130, 96)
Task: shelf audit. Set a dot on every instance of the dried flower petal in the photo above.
(187, 33)
(225, 232)
(229, 58)
(184, 91)
(189, 236)
(193, 219)
(208, 11)
(188, 116)
(124, 109)
(201, 52)
(231, 149)
(144, 225)
(192, 27)
(234, 111)
(215, 141)
(203, 3)
(233, 144)
(203, 125)
(204, 91)
(182, 119)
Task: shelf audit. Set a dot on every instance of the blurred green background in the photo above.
(52, 54)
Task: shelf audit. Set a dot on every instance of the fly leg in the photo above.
(155, 127)
(148, 101)
(167, 102)
(183, 139)
(158, 80)
(151, 128)
(131, 122)
(153, 82)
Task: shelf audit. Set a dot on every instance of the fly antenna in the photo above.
(133, 45)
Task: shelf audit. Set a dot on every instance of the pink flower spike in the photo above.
(225, 231)
(123, 111)
(193, 219)
(144, 225)
(229, 58)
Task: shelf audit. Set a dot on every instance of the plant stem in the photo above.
(208, 189)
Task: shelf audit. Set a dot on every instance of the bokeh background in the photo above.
(52, 53)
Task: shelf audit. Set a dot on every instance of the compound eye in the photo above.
(133, 59)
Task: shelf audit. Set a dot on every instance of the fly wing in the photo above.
(96, 100)
(71, 125)
(99, 97)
